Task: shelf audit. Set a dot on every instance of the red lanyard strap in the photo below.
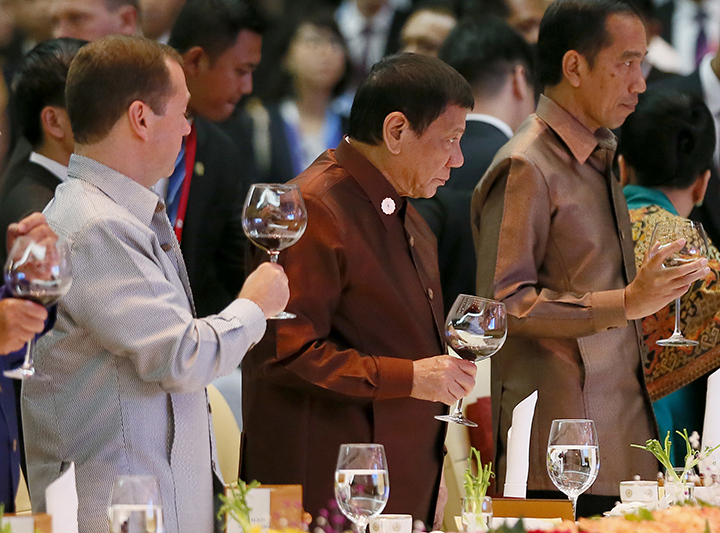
(190, 149)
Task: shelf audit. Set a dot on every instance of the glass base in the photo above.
(676, 340)
(23, 372)
(283, 315)
(455, 419)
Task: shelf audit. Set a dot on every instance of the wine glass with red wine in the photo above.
(39, 271)
(274, 217)
(475, 329)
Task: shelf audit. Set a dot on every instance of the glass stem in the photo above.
(28, 362)
(458, 408)
(362, 527)
(573, 500)
(677, 332)
(274, 256)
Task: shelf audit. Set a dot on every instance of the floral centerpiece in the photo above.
(476, 508)
(235, 505)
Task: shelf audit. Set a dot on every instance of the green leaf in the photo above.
(235, 506)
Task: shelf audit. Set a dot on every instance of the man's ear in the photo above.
(573, 67)
(128, 20)
(195, 60)
(624, 171)
(52, 122)
(520, 86)
(395, 126)
(138, 115)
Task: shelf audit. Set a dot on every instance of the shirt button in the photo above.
(159, 207)
(430, 293)
(166, 247)
(412, 240)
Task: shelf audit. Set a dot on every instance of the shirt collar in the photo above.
(59, 170)
(493, 121)
(385, 199)
(580, 140)
(710, 85)
(638, 197)
(124, 191)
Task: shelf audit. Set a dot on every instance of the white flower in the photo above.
(388, 206)
(695, 440)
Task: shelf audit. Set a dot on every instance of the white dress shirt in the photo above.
(57, 169)
(711, 94)
(685, 29)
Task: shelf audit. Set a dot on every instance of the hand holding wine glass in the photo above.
(361, 482)
(39, 270)
(274, 218)
(573, 459)
(695, 248)
(476, 328)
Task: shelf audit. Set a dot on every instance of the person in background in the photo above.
(39, 98)
(553, 242)
(128, 361)
(20, 321)
(427, 27)
(666, 150)
(294, 120)
(92, 19)
(363, 362)
(158, 17)
(499, 65)
(220, 42)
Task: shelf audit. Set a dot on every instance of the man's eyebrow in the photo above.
(632, 54)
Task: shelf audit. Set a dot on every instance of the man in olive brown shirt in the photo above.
(553, 241)
(361, 362)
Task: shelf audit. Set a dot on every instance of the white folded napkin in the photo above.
(61, 501)
(518, 448)
(711, 425)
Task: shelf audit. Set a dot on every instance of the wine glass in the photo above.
(135, 505)
(274, 217)
(39, 271)
(695, 248)
(361, 482)
(475, 329)
(573, 458)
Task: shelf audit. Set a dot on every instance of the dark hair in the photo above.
(276, 81)
(40, 82)
(484, 53)
(213, 25)
(420, 87)
(669, 140)
(108, 75)
(443, 7)
(114, 5)
(579, 25)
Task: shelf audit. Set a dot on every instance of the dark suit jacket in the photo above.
(709, 212)
(448, 212)
(34, 186)
(479, 144)
(213, 241)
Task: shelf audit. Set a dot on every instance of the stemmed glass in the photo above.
(274, 217)
(135, 505)
(362, 486)
(695, 248)
(475, 329)
(40, 271)
(573, 458)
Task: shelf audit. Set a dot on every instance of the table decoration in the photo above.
(476, 506)
(234, 504)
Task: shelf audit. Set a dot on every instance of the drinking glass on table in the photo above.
(573, 458)
(361, 482)
(39, 271)
(695, 248)
(135, 505)
(274, 218)
(475, 329)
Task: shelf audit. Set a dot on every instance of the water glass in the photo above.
(135, 505)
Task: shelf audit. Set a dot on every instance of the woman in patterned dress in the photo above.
(665, 156)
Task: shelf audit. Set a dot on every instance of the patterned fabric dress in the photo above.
(667, 369)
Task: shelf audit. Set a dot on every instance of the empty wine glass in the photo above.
(274, 217)
(361, 482)
(135, 505)
(695, 248)
(39, 271)
(573, 458)
(475, 329)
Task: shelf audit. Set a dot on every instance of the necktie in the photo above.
(361, 68)
(175, 182)
(701, 44)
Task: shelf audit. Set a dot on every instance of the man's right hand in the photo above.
(20, 320)
(268, 287)
(442, 378)
(655, 286)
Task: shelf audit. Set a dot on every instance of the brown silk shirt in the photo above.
(553, 240)
(365, 286)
